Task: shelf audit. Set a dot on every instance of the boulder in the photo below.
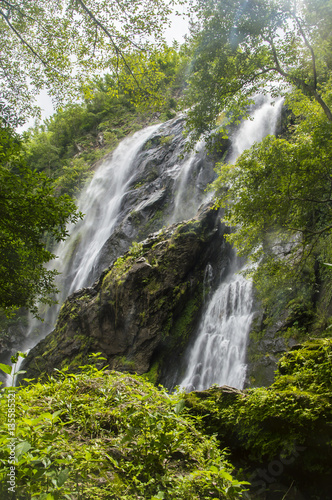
(143, 308)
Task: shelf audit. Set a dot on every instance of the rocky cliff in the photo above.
(143, 309)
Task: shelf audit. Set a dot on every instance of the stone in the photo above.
(134, 314)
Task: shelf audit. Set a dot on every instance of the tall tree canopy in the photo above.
(56, 44)
(278, 193)
(246, 47)
(30, 212)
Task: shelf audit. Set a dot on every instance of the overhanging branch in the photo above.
(299, 83)
(118, 51)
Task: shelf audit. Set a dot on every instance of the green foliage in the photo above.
(136, 250)
(67, 145)
(56, 45)
(98, 434)
(268, 421)
(307, 368)
(279, 200)
(12, 370)
(147, 80)
(30, 211)
(241, 49)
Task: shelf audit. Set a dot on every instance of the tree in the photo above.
(56, 44)
(278, 194)
(244, 48)
(30, 212)
(279, 198)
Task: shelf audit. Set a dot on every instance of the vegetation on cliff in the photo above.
(283, 430)
(278, 194)
(143, 309)
(101, 434)
(279, 201)
(105, 435)
(45, 169)
(67, 145)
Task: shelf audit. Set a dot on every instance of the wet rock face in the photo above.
(151, 200)
(143, 307)
(265, 347)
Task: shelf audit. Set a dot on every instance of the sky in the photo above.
(177, 31)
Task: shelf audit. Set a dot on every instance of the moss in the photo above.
(168, 326)
(142, 317)
(148, 145)
(264, 423)
(152, 224)
(120, 267)
(138, 184)
(153, 374)
(167, 139)
(153, 286)
(123, 363)
(181, 329)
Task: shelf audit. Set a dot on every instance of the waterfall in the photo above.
(100, 202)
(263, 122)
(185, 198)
(117, 190)
(218, 354)
(134, 186)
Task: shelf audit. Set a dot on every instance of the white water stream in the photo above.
(185, 203)
(101, 202)
(218, 355)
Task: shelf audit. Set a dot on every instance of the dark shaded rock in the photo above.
(142, 308)
(265, 347)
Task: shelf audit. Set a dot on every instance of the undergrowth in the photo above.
(107, 435)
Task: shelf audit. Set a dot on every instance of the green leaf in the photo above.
(160, 495)
(6, 368)
(227, 476)
(62, 477)
(21, 448)
(179, 406)
(20, 372)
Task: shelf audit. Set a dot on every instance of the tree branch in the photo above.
(313, 58)
(308, 231)
(328, 200)
(14, 7)
(118, 51)
(301, 84)
(24, 42)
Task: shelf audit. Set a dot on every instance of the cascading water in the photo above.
(100, 201)
(185, 201)
(219, 351)
(218, 356)
(263, 122)
(111, 197)
(143, 177)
